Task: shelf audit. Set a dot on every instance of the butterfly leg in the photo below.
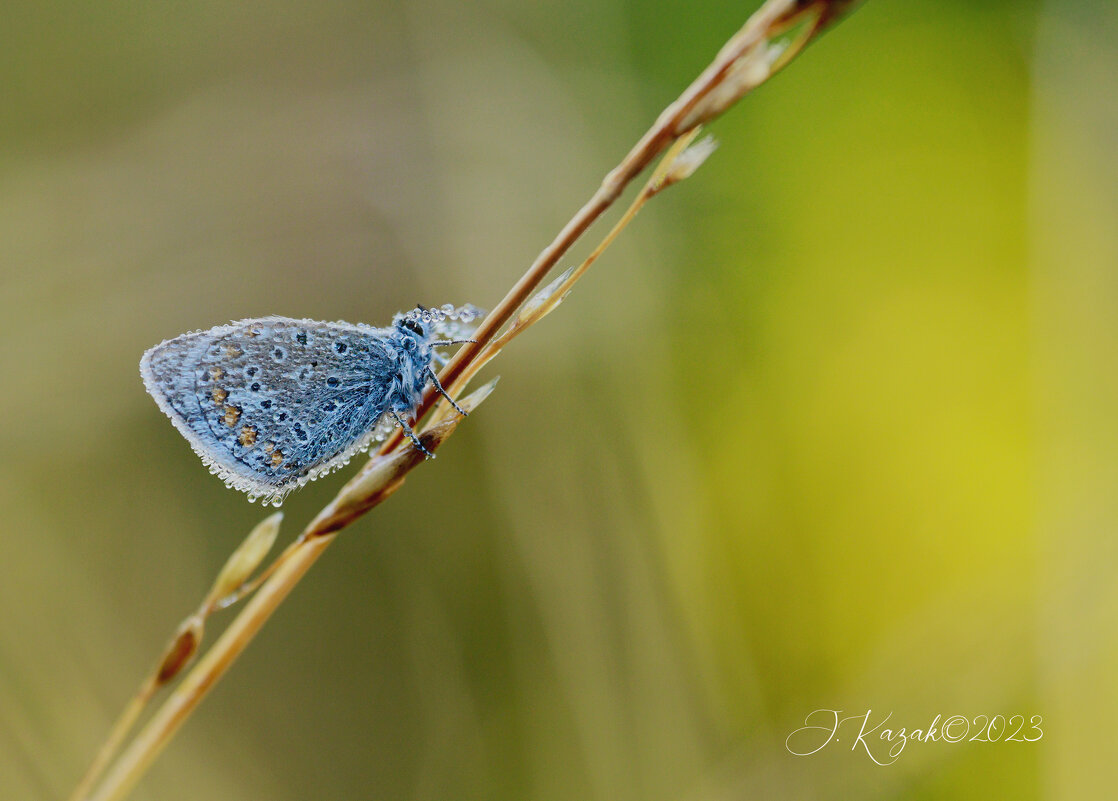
(411, 435)
(450, 400)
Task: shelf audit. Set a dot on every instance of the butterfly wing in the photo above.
(270, 404)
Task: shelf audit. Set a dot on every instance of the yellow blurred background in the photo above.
(832, 426)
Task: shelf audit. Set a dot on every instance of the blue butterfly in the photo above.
(273, 403)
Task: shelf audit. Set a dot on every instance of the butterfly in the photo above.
(272, 403)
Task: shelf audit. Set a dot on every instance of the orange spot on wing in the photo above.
(231, 415)
(248, 436)
(219, 395)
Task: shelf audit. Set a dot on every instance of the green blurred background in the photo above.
(831, 427)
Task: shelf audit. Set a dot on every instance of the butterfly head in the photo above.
(422, 324)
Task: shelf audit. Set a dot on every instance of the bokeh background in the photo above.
(831, 427)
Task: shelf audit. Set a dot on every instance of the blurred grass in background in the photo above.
(831, 427)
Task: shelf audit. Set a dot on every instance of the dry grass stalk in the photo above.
(381, 477)
(770, 39)
(231, 583)
(792, 24)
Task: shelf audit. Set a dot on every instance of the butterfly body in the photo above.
(272, 403)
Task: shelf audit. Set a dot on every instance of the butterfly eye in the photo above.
(414, 327)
